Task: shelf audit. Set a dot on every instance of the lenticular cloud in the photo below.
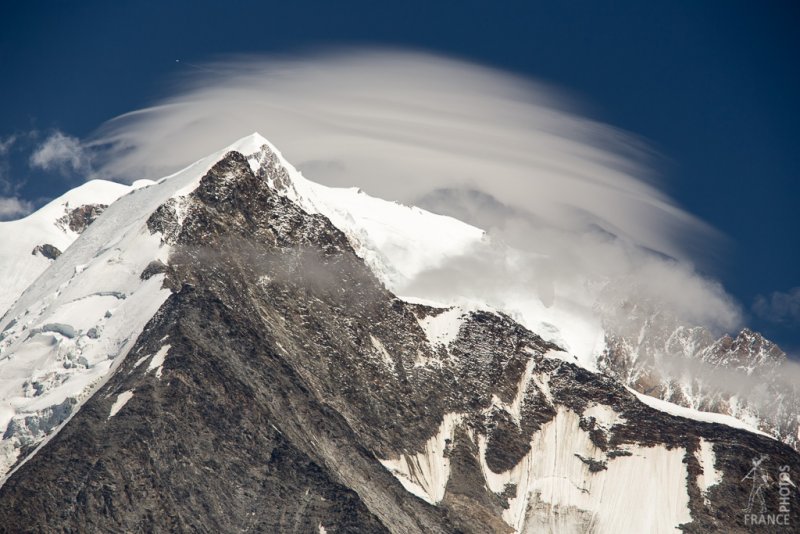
(503, 152)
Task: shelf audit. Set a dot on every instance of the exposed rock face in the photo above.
(79, 218)
(282, 388)
(153, 268)
(48, 251)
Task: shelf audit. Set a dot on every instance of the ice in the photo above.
(556, 491)
(425, 474)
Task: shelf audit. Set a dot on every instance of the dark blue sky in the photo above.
(713, 87)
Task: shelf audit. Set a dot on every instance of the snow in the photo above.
(381, 349)
(569, 358)
(18, 267)
(516, 405)
(605, 416)
(442, 329)
(398, 242)
(84, 313)
(556, 491)
(570, 322)
(47, 354)
(158, 360)
(710, 476)
(122, 400)
(425, 474)
(697, 415)
(140, 361)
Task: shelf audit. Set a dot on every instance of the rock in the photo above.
(79, 218)
(153, 268)
(48, 251)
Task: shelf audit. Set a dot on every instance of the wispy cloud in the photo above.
(779, 307)
(6, 143)
(14, 208)
(6, 184)
(11, 206)
(62, 153)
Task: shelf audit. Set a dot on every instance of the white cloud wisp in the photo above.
(62, 153)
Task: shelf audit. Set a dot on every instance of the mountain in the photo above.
(222, 351)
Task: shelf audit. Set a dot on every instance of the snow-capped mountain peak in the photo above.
(235, 319)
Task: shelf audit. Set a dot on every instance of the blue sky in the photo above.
(711, 86)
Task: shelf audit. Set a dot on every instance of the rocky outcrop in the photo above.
(46, 251)
(79, 218)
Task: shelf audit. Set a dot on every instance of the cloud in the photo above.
(779, 307)
(400, 125)
(6, 143)
(574, 211)
(6, 184)
(62, 153)
(14, 208)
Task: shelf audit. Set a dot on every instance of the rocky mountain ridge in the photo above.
(276, 368)
(746, 376)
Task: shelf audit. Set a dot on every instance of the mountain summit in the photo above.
(222, 350)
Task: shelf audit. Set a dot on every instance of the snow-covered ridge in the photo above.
(18, 267)
(697, 415)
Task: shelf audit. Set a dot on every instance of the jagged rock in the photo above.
(745, 376)
(48, 251)
(153, 268)
(79, 218)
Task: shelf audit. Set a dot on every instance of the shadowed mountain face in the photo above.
(282, 388)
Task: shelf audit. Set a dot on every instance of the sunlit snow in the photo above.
(122, 399)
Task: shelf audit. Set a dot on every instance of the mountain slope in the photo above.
(58, 224)
(278, 368)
